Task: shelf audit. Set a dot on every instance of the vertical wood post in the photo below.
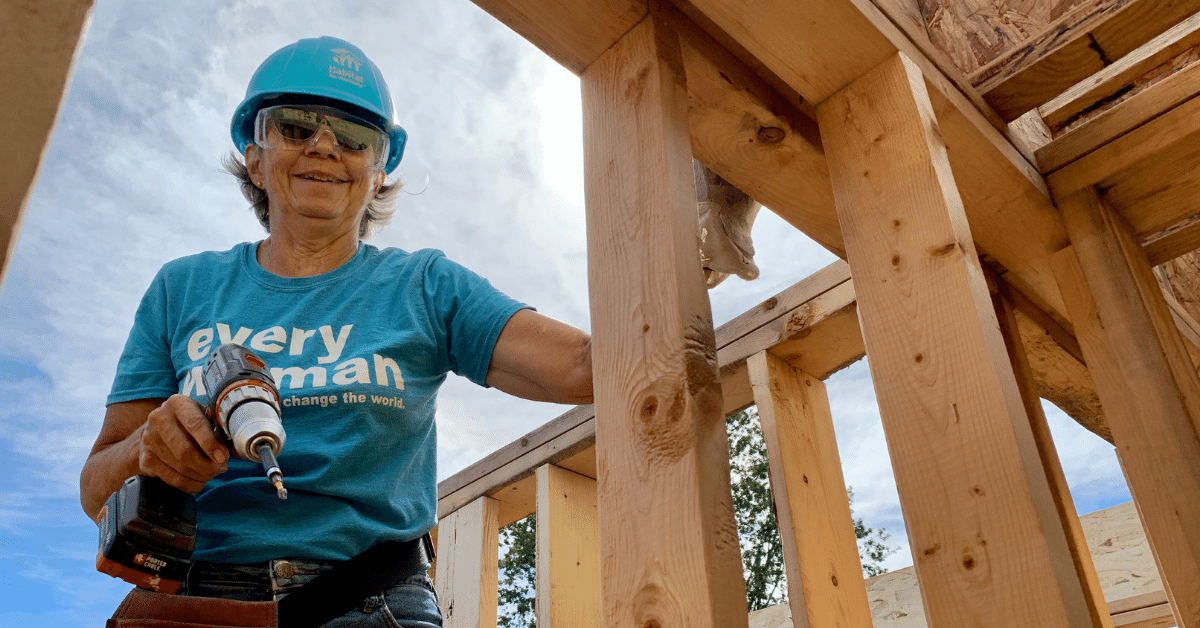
(1077, 543)
(820, 552)
(568, 550)
(987, 541)
(668, 540)
(1146, 383)
(468, 542)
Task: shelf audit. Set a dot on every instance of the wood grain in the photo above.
(976, 32)
(572, 32)
(468, 542)
(1082, 566)
(568, 550)
(1146, 381)
(1081, 43)
(1122, 73)
(41, 40)
(986, 535)
(1120, 119)
(824, 573)
(669, 548)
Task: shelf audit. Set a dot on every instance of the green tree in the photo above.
(754, 509)
(518, 564)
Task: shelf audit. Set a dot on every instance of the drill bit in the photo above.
(274, 474)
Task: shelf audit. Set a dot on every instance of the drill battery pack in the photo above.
(147, 534)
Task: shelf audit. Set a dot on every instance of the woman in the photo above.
(359, 339)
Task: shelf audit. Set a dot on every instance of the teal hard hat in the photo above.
(326, 71)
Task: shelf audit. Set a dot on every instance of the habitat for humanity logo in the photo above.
(346, 67)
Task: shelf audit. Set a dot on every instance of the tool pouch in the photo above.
(147, 609)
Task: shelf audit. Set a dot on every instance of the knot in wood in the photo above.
(770, 135)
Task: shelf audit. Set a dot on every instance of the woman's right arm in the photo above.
(170, 439)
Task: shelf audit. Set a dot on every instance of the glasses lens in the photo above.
(293, 127)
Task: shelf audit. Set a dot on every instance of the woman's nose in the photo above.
(323, 143)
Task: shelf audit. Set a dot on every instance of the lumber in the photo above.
(1082, 96)
(987, 537)
(1148, 178)
(819, 46)
(468, 543)
(42, 39)
(744, 130)
(1117, 543)
(1146, 381)
(976, 32)
(668, 540)
(568, 550)
(1077, 545)
(1082, 42)
(1120, 119)
(820, 552)
(812, 325)
(572, 32)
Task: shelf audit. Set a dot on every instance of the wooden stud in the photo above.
(1146, 381)
(668, 540)
(1077, 544)
(824, 573)
(981, 519)
(468, 543)
(568, 550)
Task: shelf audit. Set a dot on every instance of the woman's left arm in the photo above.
(539, 358)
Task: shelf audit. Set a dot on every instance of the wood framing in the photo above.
(987, 534)
(38, 48)
(1104, 84)
(568, 550)
(1146, 381)
(1117, 545)
(555, 27)
(813, 511)
(468, 543)
(669, 550)
(1122, 118)
(1077, 545)
(1081, 43)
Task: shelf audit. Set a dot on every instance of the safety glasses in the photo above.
(296, 127)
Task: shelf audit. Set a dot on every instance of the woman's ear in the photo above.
(253, 157)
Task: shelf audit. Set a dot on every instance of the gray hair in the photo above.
(379, 209)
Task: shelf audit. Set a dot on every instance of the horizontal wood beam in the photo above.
(1120, 119)
(1081, 43)
(1148, 177)
(813, 325)
(1082, 96)
(816, 47)
(572, 32)
(42, 37)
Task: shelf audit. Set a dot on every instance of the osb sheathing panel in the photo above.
(973, 33)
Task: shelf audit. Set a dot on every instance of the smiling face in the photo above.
(313, 184)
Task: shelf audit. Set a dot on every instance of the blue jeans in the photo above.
(410, 604)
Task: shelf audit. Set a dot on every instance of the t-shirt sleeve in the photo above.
(469, 313)
(145, 370)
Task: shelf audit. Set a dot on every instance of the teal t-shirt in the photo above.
(358, 355)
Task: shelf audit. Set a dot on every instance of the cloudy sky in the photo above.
(494, 169)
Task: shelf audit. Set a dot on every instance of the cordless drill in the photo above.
(148, 527)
